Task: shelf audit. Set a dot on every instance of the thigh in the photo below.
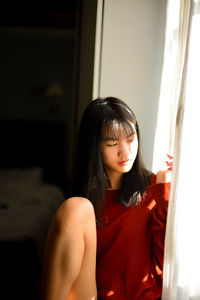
(84, 288)
(70, 256)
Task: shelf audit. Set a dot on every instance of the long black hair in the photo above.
(89, 174)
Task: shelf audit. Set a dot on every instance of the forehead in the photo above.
(116, 129)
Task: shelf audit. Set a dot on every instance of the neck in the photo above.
(114, 181)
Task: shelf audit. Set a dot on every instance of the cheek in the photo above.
(104, 155)
(107, 154)
(134, 147)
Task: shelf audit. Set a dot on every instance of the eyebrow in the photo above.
(110, 139)
(116, 139)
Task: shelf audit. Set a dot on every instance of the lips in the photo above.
(123, 163)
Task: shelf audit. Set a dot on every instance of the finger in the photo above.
(169, 163)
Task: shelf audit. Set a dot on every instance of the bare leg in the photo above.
(70, 254)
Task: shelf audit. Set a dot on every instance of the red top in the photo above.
(130, 247)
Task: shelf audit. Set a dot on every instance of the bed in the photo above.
(31, 189)
(27, 205)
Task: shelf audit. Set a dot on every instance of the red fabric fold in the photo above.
(130, 246)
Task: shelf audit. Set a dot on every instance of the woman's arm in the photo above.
(165, 175)
(161, 193)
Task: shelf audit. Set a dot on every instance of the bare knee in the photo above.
(85, 285)
(70, 248)
(78, 213)
(76, 210)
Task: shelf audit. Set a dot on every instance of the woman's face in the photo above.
(119, 152)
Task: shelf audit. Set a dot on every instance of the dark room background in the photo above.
(38, 60)
(37, 104)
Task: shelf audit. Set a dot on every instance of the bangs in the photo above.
(117, 129)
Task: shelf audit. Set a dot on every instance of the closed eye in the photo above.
(111, 143)
(130, 138)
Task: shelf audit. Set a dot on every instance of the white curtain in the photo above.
(176, 33)
(182, 244)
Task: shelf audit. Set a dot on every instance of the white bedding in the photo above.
(26, 209)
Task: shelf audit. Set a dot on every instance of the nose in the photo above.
(124, 149)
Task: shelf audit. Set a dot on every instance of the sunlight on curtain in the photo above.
(176, 32)
(182, 245)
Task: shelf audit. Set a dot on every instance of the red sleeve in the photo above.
(161, 194)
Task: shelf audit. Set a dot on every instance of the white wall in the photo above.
(131, 60)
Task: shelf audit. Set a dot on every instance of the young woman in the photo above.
(107, 239)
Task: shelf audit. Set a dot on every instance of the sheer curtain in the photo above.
(176, 34)
(182, 244)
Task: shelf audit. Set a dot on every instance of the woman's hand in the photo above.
(165, 175)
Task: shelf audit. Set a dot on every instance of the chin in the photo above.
(126, 170)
